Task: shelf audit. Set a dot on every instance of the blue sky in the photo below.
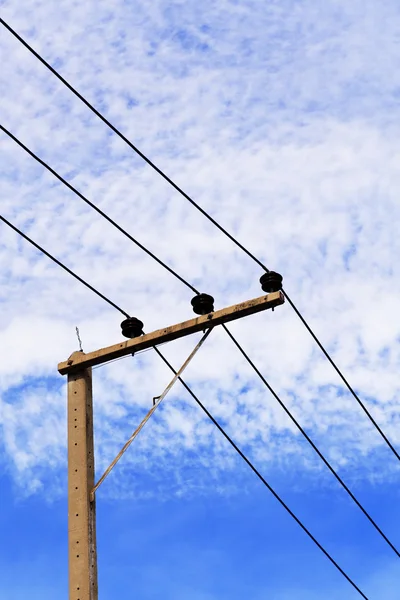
(282, 120)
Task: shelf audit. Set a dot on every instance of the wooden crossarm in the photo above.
(79, 360)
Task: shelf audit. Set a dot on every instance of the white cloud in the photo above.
(279, 120)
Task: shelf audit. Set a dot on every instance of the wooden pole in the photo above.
(81, 511)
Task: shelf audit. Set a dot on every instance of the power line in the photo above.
(260, 477)
(96, 208)
(232, 443)
(207, 215)
(309, 440)
(349, 387)
(60, 264)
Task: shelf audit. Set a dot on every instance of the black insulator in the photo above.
(132, 327)
(203, 304)
(271, 282)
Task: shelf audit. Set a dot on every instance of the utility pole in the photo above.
(81, 511)
(81, 473)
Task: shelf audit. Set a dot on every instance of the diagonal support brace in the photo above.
(156, 403)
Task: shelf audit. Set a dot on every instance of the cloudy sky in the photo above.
(282, 119)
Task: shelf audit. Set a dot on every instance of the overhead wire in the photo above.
(214, 421)
(310, 441)
(60, 264)
(95, 207)
(209, 217)
(347, 384)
